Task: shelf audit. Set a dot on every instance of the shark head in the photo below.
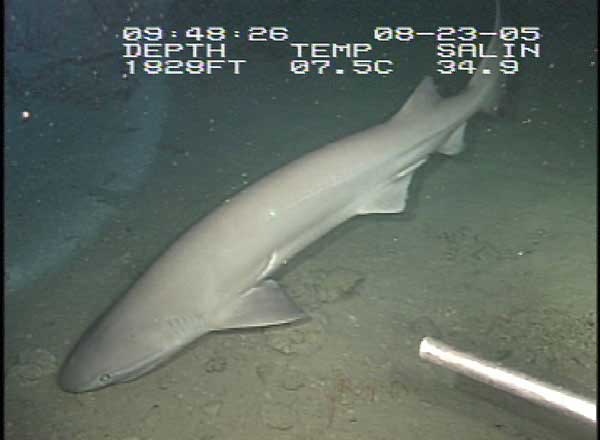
(122, 346)
(92, 365)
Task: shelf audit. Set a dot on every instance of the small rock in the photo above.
(28, 372)
(278, 416)
(33, 365)
(212, 408)
(338, 284)
(292, 379)
(264, 372)
(304, 339)
(40, 357)
(216, 364)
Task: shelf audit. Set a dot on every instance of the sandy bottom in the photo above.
(496, 254)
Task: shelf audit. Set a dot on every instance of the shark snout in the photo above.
(75, 377)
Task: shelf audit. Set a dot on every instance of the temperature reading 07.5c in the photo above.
(338, 58)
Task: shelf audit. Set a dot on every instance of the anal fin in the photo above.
(391, 199)
(456, 142)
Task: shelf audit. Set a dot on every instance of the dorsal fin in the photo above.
(423, 99)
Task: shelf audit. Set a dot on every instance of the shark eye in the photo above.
(105, 378)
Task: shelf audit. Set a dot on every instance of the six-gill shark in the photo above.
(217, 275)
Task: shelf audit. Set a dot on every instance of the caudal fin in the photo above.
(488, 77)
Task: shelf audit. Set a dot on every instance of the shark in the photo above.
(219, 274)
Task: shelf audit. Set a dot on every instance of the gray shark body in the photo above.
(217, 274)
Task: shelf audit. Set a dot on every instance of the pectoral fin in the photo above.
(263, 305)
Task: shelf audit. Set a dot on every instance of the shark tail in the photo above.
(487, 78)
(488, 86)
